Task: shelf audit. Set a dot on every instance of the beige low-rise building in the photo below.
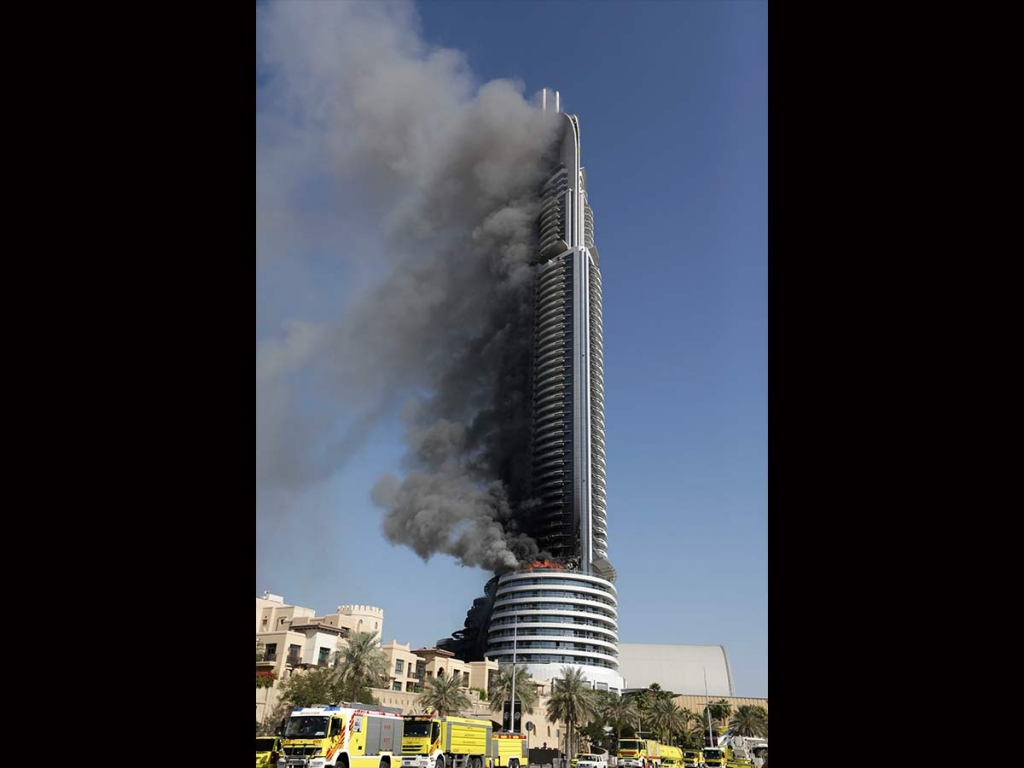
(294, 638)
(410, 669)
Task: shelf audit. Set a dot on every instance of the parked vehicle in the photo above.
(639, 753)
(344, 736)
(268, 749)
(746, 750)
(508, 750)
(717, 757)
(591, 761)
(671, 757)
(430, 741)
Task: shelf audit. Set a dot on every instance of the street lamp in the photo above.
(512, 704)
(707, 708)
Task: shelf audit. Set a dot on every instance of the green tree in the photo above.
(594, 732)
(618, 711)
(666, 719)
(693, 729)
(749, 720)
(445, 695)
(644, 701)
(363, 664)
(720, 710)
(501, 689)
(572, 702)
(273, 722)
(641, 702)
(261, 650)
(318, 685)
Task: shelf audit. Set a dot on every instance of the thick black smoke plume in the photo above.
(430, 186)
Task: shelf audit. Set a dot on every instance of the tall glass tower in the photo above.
(562, 611)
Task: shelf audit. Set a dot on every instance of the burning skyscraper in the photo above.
(562, 608)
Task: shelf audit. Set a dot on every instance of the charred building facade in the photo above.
(561, 610)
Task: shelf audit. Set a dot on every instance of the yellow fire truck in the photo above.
(671, 757)
(347, 735)
(430, 741)
(693, 758)
(639, 753)
(717, 757)
(508, 750)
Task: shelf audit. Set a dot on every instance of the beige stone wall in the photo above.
(696, 704)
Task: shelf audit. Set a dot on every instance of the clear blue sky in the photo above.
(672, 102)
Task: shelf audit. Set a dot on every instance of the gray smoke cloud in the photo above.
(384, 156)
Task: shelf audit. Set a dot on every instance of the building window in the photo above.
(398, 667)
(271, 652)
(325, 654)
(396, 686)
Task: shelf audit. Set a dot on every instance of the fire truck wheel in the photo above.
(440, 762)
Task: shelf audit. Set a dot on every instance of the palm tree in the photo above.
(693, 728)
(645, 701)
(749, 720)
(718, 710)
(666, 718)
(642, 702)
(597, 732)
(707, 725)
(618, 711)
(445, 695)
(362, 663)
(501, 689)
(572, 701)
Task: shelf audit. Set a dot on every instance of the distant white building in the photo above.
(677, 668)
